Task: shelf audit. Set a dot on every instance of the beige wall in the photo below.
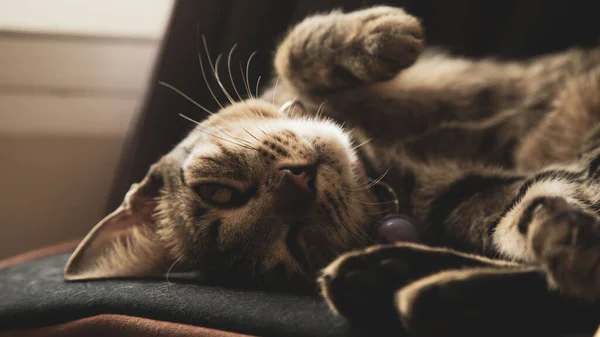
(66, 103)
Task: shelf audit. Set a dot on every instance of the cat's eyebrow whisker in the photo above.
(206, 81)
(247, 80)
(202, 68)
(229, 57)
(275, 89)
(214, 69)
(230, 74)
(320, 110)
(257, 83)
(221, 138)
(216, 74)
(248, 92)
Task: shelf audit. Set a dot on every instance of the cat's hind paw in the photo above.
(566, 242)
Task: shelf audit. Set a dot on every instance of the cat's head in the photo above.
(255, 192)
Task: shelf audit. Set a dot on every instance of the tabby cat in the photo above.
(499, 161)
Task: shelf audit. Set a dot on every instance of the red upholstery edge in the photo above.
(119, 326)
(44, 251)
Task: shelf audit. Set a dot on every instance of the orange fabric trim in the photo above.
(49, 250)
(120, 326)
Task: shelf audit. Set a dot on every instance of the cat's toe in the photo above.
(389, 40)
(566, 241)
(393, 41)
(361, 285)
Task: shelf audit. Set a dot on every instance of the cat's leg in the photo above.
(440, 292)
(491, 302)
(553, 221)
(337, 51)
(369, 68)
(560, 136)
(565, 241)
(360, 285)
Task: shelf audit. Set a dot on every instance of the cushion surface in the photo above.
(34, 294)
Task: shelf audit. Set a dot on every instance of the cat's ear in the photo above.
(123, 244)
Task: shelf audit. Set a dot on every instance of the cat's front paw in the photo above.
(361, 285)
(566, 242)
(338, 51)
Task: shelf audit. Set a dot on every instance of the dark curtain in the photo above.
(507, 29)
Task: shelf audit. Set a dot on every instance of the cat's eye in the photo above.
(217, 194)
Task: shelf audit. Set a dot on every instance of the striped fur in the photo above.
(498, 159)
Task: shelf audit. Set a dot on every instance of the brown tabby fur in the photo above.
(496, 158)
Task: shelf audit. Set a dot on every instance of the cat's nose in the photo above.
(299, 179)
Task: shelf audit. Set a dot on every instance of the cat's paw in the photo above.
(566, 242)
(390, 40)
(361, 285)
(338, 51)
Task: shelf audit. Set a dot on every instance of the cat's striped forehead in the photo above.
(259, 136)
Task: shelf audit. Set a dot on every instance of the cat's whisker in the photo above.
(358, 230)
(361, 144)
(363, 214)
(263, 131)
(165, 84)
(202, 68)
(372, 203)
(172, 266)
(381, 212)
(248, 132)
(201, 107)
(376, 181)
(332, 211)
